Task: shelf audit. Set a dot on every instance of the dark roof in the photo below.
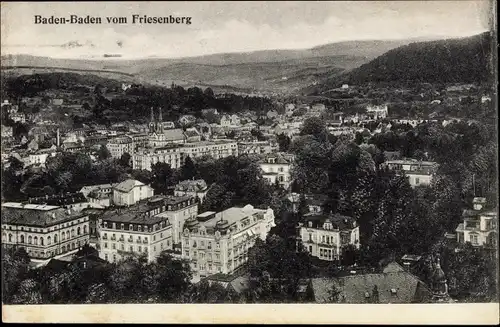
(127, 185)
(279, 158)
(59, 200)
(393, 287)
(338, 221)
(37, 218)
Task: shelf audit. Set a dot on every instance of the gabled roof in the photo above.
(127, 185)
(191, 186)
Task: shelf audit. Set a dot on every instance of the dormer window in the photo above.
(122, 226)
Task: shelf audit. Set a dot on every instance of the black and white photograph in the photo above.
(254, 152)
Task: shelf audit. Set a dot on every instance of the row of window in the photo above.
(137, 228)
(40, 241)
(40, 230)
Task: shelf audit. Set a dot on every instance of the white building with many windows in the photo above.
(276, 168)
(44, 231)
(479, 226)
(324, 236)
(418, 172)
(219, 242)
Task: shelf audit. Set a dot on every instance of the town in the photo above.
(298, 204)
(278, 154)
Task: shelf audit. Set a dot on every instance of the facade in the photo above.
(163, 137)
(178, 209)
(276, 168)
(40, 156)
(133, 232)
(45, 231)
(378, 112)
(479, 226)
(324, 236)
(145, 158)
(106, 189)
(195, 188)
(216, 149)
(130, 192)
(119, 145)
(219, 242)
(257, 147)
(418, 172)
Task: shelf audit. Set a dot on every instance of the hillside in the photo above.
(464, 60)
(272, 70)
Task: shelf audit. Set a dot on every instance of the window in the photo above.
(473, 239)
(78, 231)
(417, 180)
(131, 248)
(310, 249)
(114, 257)
(55, 238)
(122, 226)
(105, 245)
(113, 245)
(30, 239)
(139, 248)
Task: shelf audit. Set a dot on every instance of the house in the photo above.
(7, 131)
(178, 209)
(324, 235)
(74, 201)
(219, 242)
(195, 188)
(230, 120)
(237, 282)
(57, 102)
(377, 112)
(192, 135)
(418, 172)
(130, 192)
(345, 86)
(45, 231)
(106, 189)
(73, 146)
(479, 225)
(186, 120)
(276, 168)
(389, 287)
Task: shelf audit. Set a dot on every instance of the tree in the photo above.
(103, 153)
(283, 142)
(316, 127)
(125, 160)
(188, 169)
(162, 177)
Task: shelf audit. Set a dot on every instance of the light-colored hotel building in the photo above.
(147, 228)
(44, 231)
(219, 242)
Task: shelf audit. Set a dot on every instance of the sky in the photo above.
(218, 27)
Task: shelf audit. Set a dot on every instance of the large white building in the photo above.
(44, 231)
(149, 227)
(119, 145)
(175, 154)
(479, 226)
(418, 172)
(219, 242)
(324, 236)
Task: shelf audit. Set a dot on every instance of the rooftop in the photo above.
(191, 185)
(128, 185)
(232, 215)
(38, 217)
(338, 221)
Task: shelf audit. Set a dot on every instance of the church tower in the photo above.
(152, 122)
(160, 120)
(439, 285)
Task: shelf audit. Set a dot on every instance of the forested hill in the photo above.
(448, 61)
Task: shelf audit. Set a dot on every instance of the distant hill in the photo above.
(464, 60)
(273, 70)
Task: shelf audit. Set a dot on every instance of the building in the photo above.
(178, 209)
(192, 135)
(383, 288)
(166, 137)
(140, 140)
(216, 149)
(479, 225)
(195, 188)
(117, 146)
(377, 112)
(45, 231)
(74, 201)
(219, 242)
(276, 168)
(40, 156)
(130, 192)
(418, 172)
(255, 147)
(315, 202)
(106, 189)
(324, 236)
(7, 131)
(137, 230)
